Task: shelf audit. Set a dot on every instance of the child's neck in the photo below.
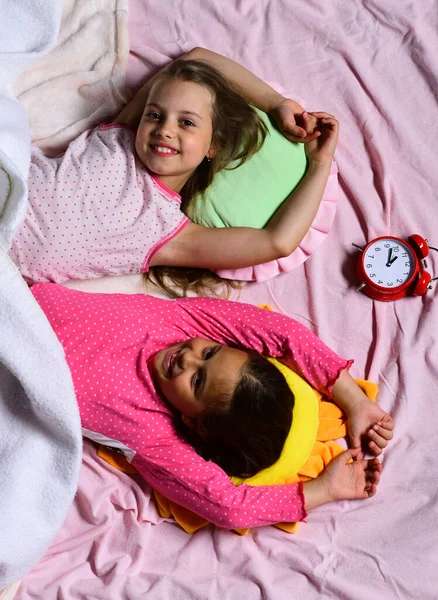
(173, 182)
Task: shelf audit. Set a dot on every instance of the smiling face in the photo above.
(175, 132)
(193, 374)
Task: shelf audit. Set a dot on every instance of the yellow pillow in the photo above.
(302, 434)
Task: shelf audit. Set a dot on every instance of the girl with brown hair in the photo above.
(142, 365)
(113, 203)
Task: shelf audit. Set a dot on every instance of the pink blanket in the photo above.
(373, 65)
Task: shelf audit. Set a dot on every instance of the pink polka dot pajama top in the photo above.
(109, 341)
(94, 211)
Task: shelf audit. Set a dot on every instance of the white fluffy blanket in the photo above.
(40, 436)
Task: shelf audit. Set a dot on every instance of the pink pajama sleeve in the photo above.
(180, 474)
(270, 333)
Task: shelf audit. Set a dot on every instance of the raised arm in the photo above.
(286, 112)
(205, 489)
(256, 91)
(245, 326)
(236, 247)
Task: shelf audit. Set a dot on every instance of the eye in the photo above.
(187, 123)
(196, 381)
(199, 375)
(154, 116)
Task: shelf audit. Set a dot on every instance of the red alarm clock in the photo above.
(390, 268)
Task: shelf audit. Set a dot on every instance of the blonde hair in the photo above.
(238, 133)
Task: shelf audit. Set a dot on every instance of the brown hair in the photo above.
(178, 282)
(238, 133)
(246, 433)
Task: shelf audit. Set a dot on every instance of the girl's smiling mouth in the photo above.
(163, 150)
(169, 361)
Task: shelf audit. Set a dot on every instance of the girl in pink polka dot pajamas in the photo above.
(137, 361)
(112, 203)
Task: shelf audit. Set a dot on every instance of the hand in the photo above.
(369, 425)
(345, 480)
(322, 148)
(294, 123)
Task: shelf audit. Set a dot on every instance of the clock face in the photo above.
(388, 263)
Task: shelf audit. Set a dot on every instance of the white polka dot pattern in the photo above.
(108, 340)
(94, 211)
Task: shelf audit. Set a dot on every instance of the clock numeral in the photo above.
(372, 274)
(370, 256)
(406, 273)
(369, 265)
(389, 283)
(396, 249)
(386, 245)
(380, 281)
(407, 264)
(404, 254)
(377, 249)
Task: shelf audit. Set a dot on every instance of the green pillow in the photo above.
(249, 195)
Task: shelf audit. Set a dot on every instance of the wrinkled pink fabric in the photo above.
(373, 65)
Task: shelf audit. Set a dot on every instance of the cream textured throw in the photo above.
(80, 83)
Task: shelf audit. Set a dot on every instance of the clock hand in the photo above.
(392, 261)
(388, 262)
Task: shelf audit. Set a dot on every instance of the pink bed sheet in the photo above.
(373, 65)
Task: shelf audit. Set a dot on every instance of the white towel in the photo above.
(40, 435)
